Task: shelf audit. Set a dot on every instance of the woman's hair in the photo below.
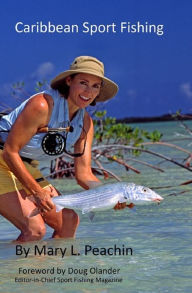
(63, 89)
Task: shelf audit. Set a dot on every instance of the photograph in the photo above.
(96, 146)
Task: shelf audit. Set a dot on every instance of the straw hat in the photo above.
(90, 65)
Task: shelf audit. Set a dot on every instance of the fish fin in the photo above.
(34, 213)
(93, 184)
(91, 215)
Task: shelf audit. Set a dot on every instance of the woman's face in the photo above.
(83, 89)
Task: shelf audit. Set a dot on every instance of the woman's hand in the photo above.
(43, 200)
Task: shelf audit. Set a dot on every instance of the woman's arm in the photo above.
(83, 172)
(36, 114)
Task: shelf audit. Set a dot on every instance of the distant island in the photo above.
(165, 117)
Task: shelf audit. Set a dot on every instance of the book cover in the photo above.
(146, 49)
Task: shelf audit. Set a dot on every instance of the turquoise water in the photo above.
(159, 235)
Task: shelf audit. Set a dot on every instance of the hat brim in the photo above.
(108, 90)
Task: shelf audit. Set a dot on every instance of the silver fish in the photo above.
(106, 196)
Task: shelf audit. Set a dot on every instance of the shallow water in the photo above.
(159, 236)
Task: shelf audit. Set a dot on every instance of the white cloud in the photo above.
(186, 89)
(44, 70)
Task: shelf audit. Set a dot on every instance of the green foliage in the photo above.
(154, 136)
(108, 131)
(100, 114)
(17, 86)
(177, 114)
(40, 85)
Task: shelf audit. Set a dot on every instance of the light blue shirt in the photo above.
(59, 118)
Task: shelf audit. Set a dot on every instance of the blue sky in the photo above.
(154, 72)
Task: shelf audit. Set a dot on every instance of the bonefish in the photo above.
(106, 196)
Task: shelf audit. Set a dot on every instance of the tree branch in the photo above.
(93, 168)
(117, 147)
(167, 144)
(146, 164)
(119, 161)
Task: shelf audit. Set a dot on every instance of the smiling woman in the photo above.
(23, 144)
(84, 88)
